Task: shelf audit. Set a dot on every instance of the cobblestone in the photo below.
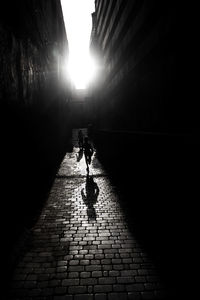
(82, 249)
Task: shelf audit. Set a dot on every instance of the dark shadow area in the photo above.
(34, 116)
(90, 196)
(32, 148)
(37, 239)
(156, 177)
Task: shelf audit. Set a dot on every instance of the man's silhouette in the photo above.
(88, 151)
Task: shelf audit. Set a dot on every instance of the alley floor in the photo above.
(80, 247)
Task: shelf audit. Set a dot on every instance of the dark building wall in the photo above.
(35, 126)
(138, 42)
(143, 114)
(33, 40)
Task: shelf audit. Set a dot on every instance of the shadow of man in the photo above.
(80, 155)
(90, 196)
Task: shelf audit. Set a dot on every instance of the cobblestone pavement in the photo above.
(81, 247)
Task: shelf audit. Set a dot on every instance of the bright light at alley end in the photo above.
(80, 68)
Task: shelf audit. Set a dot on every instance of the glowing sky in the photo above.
(78, 23)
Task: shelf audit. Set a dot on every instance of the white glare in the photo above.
(78, 23)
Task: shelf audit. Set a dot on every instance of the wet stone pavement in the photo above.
(81, 247)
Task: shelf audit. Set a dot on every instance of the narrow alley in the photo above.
(81, 249)
(129, 228)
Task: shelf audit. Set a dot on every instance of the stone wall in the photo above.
(35, 125)
(140, 89)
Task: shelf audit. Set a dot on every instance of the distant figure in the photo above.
(88, 151)
(80, 139)
(90, 196)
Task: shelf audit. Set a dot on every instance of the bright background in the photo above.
(78, 23)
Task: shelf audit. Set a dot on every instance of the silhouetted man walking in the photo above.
(88, 151)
